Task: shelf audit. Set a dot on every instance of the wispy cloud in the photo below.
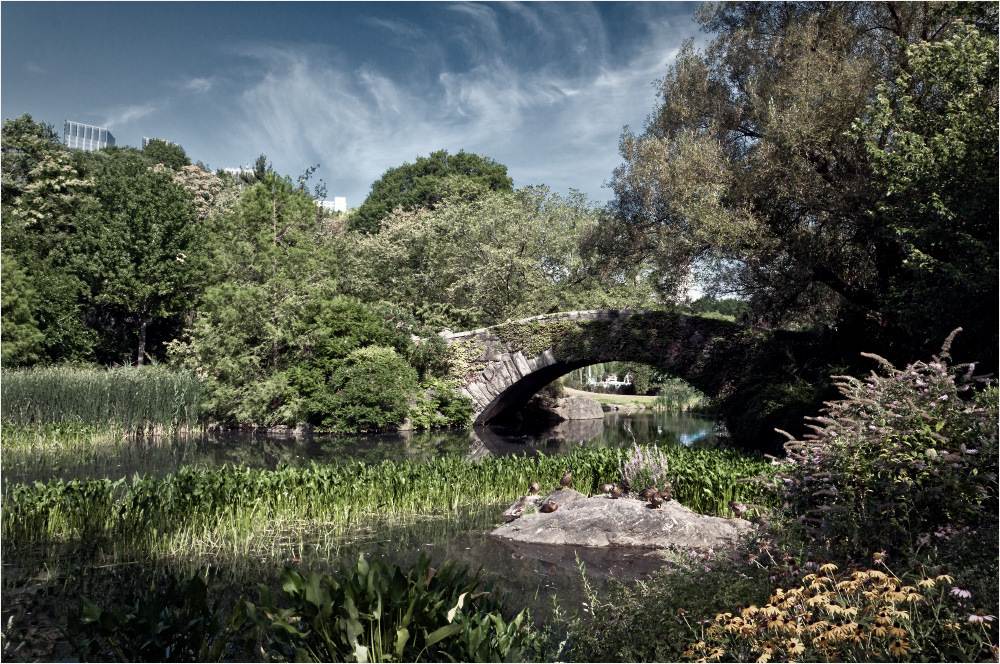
(555, 122)
(128, 114)
(200, 85)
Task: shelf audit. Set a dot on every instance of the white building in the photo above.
(338, 204)
(86, 137)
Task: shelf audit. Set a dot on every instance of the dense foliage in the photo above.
(832, 164)
(420, 185)
(371, 612)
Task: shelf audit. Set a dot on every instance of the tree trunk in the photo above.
(142, 342)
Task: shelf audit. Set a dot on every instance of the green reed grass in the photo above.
(226, 507)
(132, 400)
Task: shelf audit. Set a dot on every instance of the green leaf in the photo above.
(443, 633)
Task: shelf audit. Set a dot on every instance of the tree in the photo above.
(24, 143)
(22, 339)
(270, 330)
(420, 185)
(141, 222)
(47, 188)
(481, 257)
(749, 169)
(163, 152)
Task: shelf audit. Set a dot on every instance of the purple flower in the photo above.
(979, 616)
(960, 591)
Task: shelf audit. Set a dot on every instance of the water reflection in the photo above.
(156, 457)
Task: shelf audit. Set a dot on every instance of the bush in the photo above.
(904, 457)
(370, 390)
(440, 406)
(647, 621)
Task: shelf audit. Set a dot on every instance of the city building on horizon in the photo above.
(338, 204)
(86, 137)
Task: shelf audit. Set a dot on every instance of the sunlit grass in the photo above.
(125, 400)
(244, 510)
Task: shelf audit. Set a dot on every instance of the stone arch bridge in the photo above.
(502, 366)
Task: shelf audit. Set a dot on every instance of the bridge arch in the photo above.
(503, 365)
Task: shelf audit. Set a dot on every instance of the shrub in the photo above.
(905, 455)
(377, 613)
(647, 621)
(370, 390)
(440, 406)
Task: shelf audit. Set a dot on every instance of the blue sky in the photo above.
(544, 88)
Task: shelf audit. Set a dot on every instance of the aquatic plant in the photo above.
(374, 612)
(133, 400)
(170, 622)
(226, 506)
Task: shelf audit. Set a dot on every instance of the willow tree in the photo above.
(771, 165)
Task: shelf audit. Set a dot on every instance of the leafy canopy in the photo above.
(420, 185)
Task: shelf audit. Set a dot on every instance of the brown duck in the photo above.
(534, 488)
(548, 507)
(615, 492)
(517, 509)
(667, 494)
(625, 485)
(655, 500)
(646, 493)
(566, 480)
(740, 509)
(606, 487)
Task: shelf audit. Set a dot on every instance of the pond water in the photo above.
(533, 575)
(267, 449)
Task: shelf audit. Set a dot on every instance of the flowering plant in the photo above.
(908, 458)
(867, 615)
(645, 466)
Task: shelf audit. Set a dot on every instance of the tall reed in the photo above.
(132, 400)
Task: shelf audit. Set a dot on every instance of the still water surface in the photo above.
(533, 575)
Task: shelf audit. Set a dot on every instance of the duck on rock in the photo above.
(566, 480)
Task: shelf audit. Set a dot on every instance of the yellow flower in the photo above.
(897, 631)
(902, 615)
(765, 655)
(829, 567)
(898, 648)
(879, 631)
(944, 577)
(876, 574)
(796, 647)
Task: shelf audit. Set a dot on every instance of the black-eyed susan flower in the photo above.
(898, 648)
(795, 647)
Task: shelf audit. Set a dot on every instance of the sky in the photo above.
(358, 88)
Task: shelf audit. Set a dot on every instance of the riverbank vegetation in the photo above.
(828, 170)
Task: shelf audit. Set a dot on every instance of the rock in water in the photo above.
(598, 522)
